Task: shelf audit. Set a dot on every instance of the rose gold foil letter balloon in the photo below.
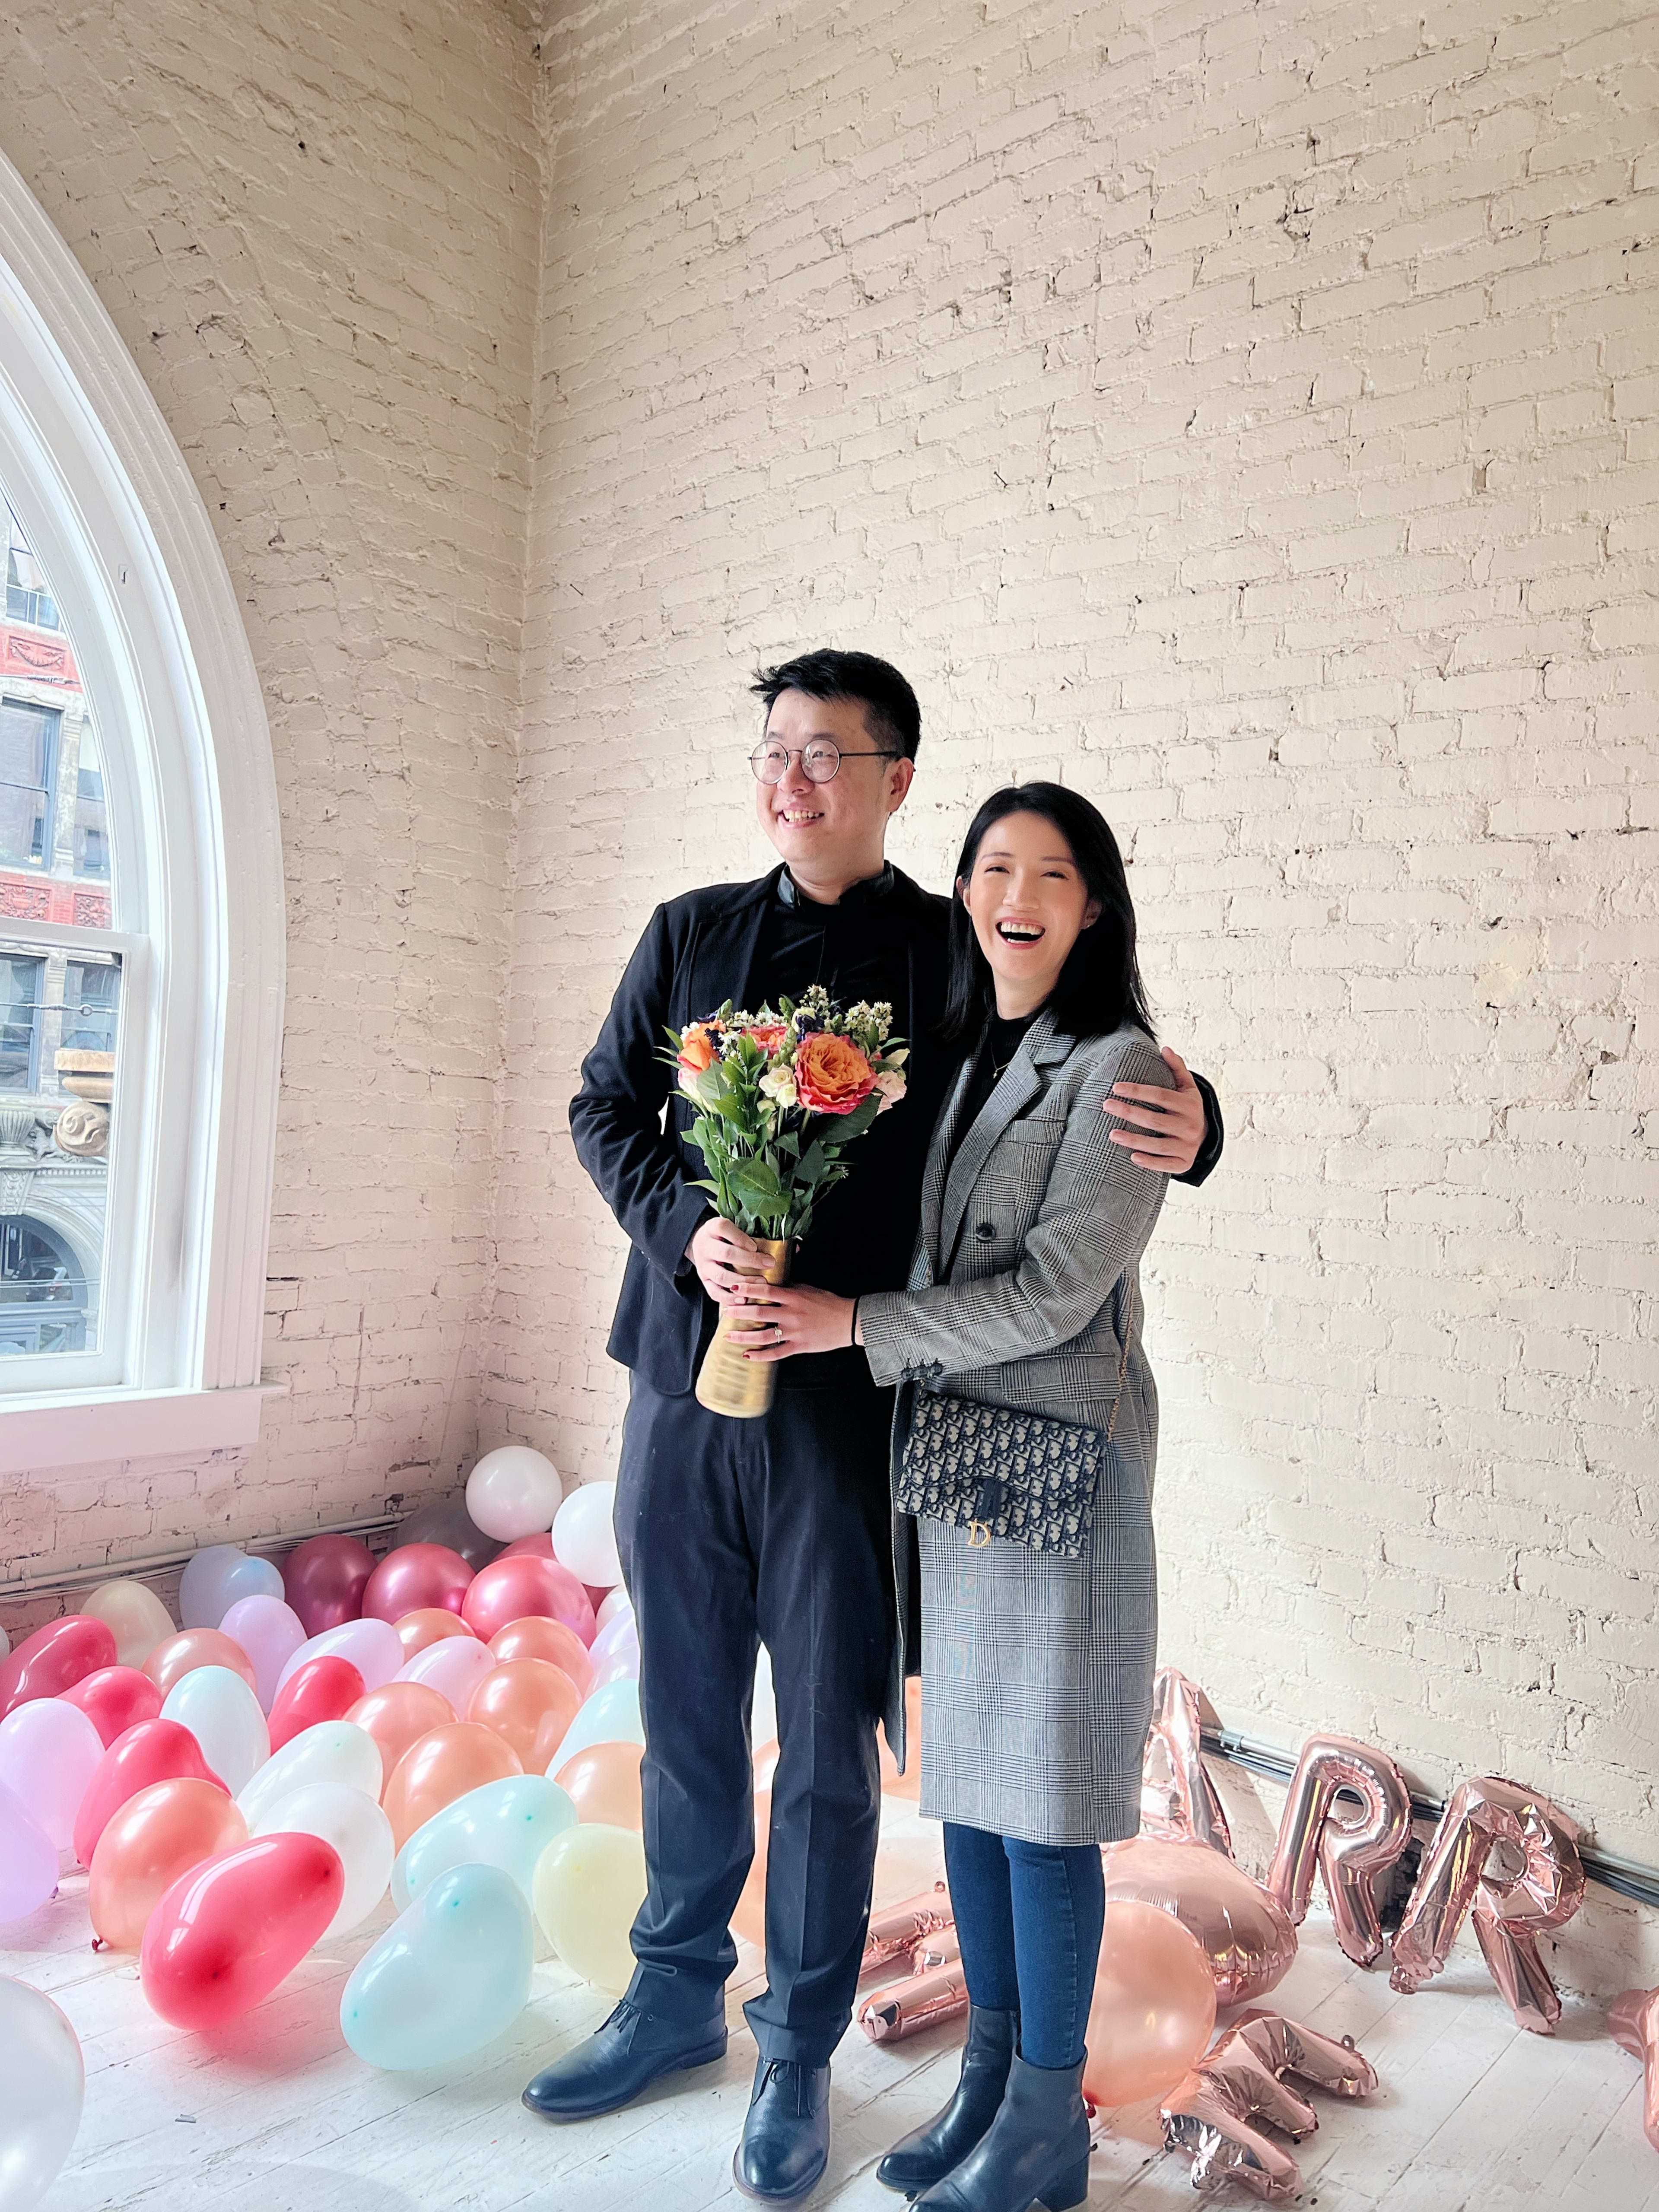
(1511, 1910)
(1178, 1799)
(1349, 1853)
(1209, 2111)
(1633, 2022)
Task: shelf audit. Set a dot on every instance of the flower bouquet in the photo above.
(780, 1096)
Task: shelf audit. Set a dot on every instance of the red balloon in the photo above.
(413, 1576)
(231, 1929)
(323, 1689)
(323, 1580)
(516, 1588)
(150, 1751)
(55, 1658)
(114, 1699)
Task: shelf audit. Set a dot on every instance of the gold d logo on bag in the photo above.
(978, 1535)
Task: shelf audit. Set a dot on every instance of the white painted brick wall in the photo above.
(1250, 415)
(316, 230)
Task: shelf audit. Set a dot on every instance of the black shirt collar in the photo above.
(867, 893)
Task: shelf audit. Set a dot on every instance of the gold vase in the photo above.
(727, 1382)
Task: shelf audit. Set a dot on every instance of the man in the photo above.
(777, 1530)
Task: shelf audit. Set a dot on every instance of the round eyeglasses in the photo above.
(820, 760)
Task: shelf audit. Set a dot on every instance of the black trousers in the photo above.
(733, 1533)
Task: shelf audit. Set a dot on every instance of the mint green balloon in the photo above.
(506, 1823)
(448, 1976)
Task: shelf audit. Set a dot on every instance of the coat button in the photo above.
(986, 1231)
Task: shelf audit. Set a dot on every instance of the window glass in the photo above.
(29, 598)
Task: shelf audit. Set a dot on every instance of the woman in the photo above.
(1036, 1667)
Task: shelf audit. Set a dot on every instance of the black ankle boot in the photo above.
(786, 2138)
(928, 2154)
(1034, 2152)
(632, 2050)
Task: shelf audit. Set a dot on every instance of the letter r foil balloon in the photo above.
(1350, 1854)
(1511, 1910)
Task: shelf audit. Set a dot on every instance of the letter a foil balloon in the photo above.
(505, 1824)
(152, 1840)
(114, 1699)
(153, 1751)
(55, 1658)
(28, 1875)
(49, 1752)
(42, 2085)
(229, 1930)
(449, 1976)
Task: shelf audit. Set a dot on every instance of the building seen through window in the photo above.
(59, 998)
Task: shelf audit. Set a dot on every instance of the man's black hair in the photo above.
(888, 703)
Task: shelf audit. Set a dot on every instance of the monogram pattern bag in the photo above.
(998, 1473)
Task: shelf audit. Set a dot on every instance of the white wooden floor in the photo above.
(277, 2115)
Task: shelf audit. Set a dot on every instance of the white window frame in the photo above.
(111, 509)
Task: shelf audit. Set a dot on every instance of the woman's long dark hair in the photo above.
(1099, 988)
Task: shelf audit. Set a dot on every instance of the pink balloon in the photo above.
(114, 1699)
(617, 1601)
(323, 1580)
(516, 1588)
(538, 1547)
(323, 1689)
(413, 1576)
(151, 1751)
(454, 1667)
(270, 1632)
(374, 1648)
(49, 1752)
(55, 1658)
(28, 1860)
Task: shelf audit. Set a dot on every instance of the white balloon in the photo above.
(583, 1539)
(374, 1648)
(136, 1617)
(514, 1492)
(359, 1831)
(223, 1715)
(217, 1577)
(43, 2080)
(47, 1759)
(763, 1712)
(618, 1602)
(453, 1666)
(332, 1751)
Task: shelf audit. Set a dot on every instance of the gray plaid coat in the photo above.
(1025, 1291)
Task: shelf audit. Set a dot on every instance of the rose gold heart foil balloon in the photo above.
(1633, 2023)
(1511, 1910)
(1210, 2113)
(1245, 1934)
(1350, 1854)
(1178, 1800)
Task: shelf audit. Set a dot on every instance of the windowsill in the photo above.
(43, 1431)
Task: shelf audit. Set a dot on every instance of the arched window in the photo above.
(140, 976)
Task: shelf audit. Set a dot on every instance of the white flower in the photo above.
(779, 1084)
(891, 1086)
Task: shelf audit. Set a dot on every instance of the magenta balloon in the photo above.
(517, 1589)
(416, 1576)
(270, 1632)
(55, 1658)
(325, 1580)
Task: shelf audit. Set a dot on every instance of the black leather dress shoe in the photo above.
(631, 2049)
(928, 2154)
(786, 2138)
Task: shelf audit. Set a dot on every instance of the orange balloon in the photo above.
(530, 1703)
(1153, 2008)
(196, 1647)
(750, 1916)
(907, 1784)
(765, 1763)
(535, 1638)
(399, 1714)
(427, 1624)
(148, 1844)
(602, 1783)
(444, 1766)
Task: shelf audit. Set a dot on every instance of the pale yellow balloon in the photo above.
(136, 1616)
(588, 1884)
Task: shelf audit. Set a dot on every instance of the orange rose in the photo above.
(696, 1053)
(766, 1037)
(832, 1076)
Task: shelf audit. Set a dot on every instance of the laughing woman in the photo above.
(1038, 1591)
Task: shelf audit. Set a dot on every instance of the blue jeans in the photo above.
(1029, 1919)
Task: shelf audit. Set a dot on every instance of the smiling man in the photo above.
(776, 1530)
